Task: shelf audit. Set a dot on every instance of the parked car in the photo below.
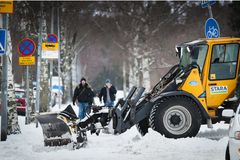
(233, 147)
(21, 101)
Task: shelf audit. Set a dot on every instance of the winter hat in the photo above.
(107, 81)
(83, 79)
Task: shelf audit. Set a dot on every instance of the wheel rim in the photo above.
(177, 120)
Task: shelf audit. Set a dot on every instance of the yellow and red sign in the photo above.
(27, 60)
(50, 50)
(50, 46)
(6, 6)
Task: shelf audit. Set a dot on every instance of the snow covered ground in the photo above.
(130, 145)
(210, 144)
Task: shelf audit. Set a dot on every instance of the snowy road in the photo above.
(130, 145)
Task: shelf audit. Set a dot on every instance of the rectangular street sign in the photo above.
(27, 61)
(205, 3)
(6, 6)
(3, 43)
(50, 46)
(50, 50)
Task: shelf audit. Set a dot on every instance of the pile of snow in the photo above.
(208, 145)
(129, 145)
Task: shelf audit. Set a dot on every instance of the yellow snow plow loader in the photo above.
(192, 93)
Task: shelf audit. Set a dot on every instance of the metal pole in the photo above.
(4, 119)
(59, 69)
(51, 61)
(50, 79)
(39, 59)
(210, 11)
(27, 103)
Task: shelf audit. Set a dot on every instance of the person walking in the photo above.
(54, 99)
(108, 93)
(84, 96)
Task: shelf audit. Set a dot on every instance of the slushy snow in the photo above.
(210, 144)
(130, 145)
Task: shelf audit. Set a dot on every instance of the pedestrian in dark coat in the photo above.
(84, 96)
(108, 93)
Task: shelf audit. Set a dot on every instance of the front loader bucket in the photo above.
(55, 131)
(125, 111)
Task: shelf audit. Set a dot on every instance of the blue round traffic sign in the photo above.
(26, 47)
(212, 29)
(52, 38)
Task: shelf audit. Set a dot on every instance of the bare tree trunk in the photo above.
(146, 74)
(70, 85)
(135, 63)
(13, 126)
(66, 80)
(131, 76)
(44, 76)
(44, 87)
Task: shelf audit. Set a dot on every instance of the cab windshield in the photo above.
(193, 55)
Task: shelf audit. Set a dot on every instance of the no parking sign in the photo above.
(26, 48)
(52, 38)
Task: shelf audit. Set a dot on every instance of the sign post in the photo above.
(212, 29)
(39, 59)
(50, 52)
(51, 38)
(59, 58)
(5, 7)
(26, 48)
(4, 87)
(208, 4)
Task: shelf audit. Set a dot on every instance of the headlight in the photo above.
(237, 135)
(178, 80)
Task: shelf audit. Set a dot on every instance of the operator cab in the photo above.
(217, 61)
(192, 54)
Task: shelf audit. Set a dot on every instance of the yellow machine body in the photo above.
(219, 74)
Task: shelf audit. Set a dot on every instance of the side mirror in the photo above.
(178, 51)
(228, 113)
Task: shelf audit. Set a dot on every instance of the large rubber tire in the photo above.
(143, 126)
(176, 117)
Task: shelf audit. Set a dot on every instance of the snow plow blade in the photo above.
(55, 131)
